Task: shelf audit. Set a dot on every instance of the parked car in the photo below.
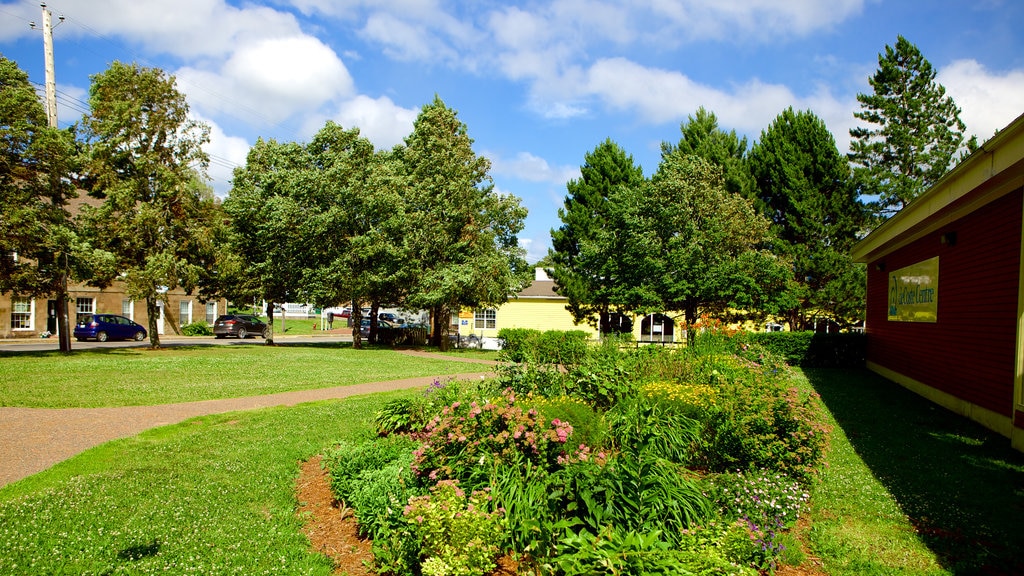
(391, 318)
(240, 325)
(103, 327)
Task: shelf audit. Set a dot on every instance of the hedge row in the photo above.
(813, 350)
(565, 347)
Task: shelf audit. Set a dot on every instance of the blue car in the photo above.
(103, 327)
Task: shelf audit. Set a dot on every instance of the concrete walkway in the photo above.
(34, 439)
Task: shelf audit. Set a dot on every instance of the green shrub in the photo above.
(468, 439)
(517, 344)
(531, 378)
(619, 552)
(380, 494)
(457, 535)
(348, 460)
(589, 426)
(654, 422)
(760, 422)
(197, 329)
(562, 347)
(404, 415)
(811, 350)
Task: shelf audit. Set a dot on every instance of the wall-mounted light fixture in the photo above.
(949, 239)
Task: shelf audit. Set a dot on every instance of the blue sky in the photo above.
(539, 84)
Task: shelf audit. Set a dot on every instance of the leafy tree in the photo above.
(583, 261)
(265, 260)
(692, 245)
(461, 234)
(145, 161)
(914, 129)
(701, 136)
(804, 188)
(353, 220)
(39, 238)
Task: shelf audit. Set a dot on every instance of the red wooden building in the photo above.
(945, 309)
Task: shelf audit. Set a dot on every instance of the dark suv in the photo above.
(240, 325)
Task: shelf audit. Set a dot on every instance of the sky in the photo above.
(538, 84)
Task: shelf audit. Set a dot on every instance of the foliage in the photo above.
(458, 535)
(460, 232)
(764, 497)
(701, 136)
(620, 552)
(654, 421)
(198, 328)
(583, 256)
(145, 159)
(812, 350)
(693, 245)
(517, 344)
(759, 421)
(411, 415)
(468, 439)
(803, 187)
(913, 130)
(349, 461)
(563, 347)
(589, 426)
(36, 164)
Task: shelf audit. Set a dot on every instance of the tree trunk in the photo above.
(63, 327)
(151, 313)
(374, 321)
(357, 323)
(270, 324)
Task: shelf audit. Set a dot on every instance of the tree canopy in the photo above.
(146, 162)
(40, 240)
(913, 132)
(701, 136)
(462, 235)
(804, 187)
(580, 258)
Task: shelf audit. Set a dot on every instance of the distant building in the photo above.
(945, 308)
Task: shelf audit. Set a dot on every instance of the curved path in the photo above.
(33, 439)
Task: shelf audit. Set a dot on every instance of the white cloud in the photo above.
(268, 81)
(189, 29)
(226, 153)
(379, 119)
(526, 166)
(988, 100)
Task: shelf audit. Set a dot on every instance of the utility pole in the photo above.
(51, 82)
(63, 325)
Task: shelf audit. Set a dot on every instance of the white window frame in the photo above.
(83, 307)
(128, 308)
(184, 312)
(485, 319)
(31, 313)
(211, 313)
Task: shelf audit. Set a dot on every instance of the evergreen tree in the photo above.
(914, 130)
(583, 257)
(803, 186)
(701, 136)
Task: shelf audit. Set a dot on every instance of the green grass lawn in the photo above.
(140, 376)
(213, 495)
(911, 488)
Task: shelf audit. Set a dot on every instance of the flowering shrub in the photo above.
(458, 536)
(470, 437)
(760, 496)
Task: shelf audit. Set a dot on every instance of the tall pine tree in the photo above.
(914, 130)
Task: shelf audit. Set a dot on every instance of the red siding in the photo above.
(970, 351)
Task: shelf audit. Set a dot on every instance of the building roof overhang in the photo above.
(993, 170)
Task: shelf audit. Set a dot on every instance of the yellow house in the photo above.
(539, 307)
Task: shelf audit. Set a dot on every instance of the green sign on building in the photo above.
(914, 292)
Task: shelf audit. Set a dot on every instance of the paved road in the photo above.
(34, 439)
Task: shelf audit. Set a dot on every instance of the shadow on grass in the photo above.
(961, 485)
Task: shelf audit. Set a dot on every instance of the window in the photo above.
(21, 315)
(185, 312)
(83, 308)
(484, 319)
(128, 308)
(211, 313)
